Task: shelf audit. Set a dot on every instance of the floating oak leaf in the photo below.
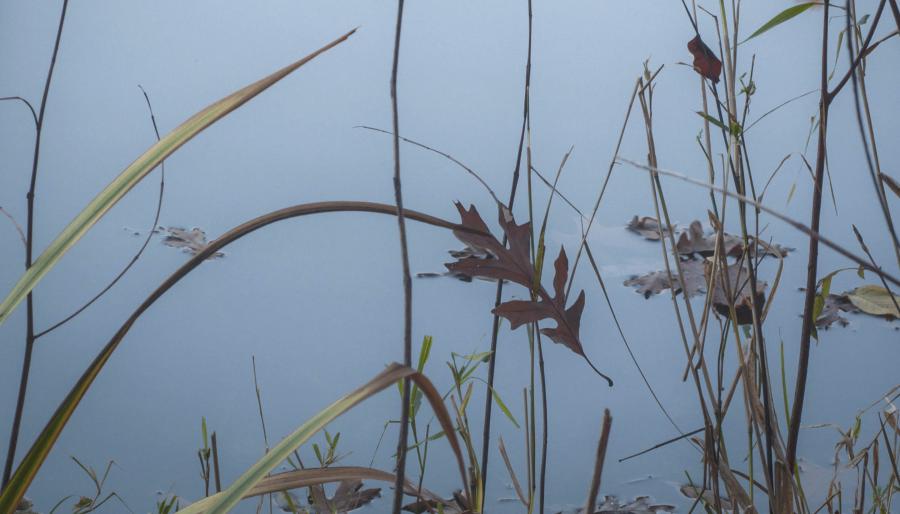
(640, 505)
(695, 241)
(465, 253)
(349, 496)
(193, 241)
(705, 61)
(658, 281)
(647, 227)
(513, 264)
(736, 293)
(834, 305)
(696, 277)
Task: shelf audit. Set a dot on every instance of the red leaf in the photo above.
(705, 61)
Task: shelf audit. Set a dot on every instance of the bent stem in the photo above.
(34, 459)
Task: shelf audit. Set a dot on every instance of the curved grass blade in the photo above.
(227, 499)
(136, 171)
(782, 17)
(34, 459)
(309, 477)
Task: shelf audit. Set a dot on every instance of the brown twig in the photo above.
(407, 279)
(29, 246)
(813, 261)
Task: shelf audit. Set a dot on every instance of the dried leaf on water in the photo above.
(349, 496)
(834, 305)
(647, 227)
(658, 281)
(640, 505)
(465, 253)
(705, 61)
(696, 277)
(695, 241)
(193, 241)
(874, 300)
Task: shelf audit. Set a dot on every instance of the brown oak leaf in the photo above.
(513, 264)
(705, 61)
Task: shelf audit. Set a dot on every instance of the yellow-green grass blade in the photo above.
(136, 171)
(309, 477)
(227, 499)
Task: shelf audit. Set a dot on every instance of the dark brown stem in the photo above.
(495, 323)
(813, 262)
(407, 279)
(29, 246)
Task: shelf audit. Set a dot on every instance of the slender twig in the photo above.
(407, 279)
(660, 445)
(495, 322)
(873, 173)
(27, 104)
(813, 261)
(29, 247)
(16, 226)
(134, 259)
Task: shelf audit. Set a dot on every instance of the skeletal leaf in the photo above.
(193, 241)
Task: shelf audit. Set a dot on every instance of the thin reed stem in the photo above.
(407, 279)
(29, 247)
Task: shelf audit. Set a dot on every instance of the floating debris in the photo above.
(192, 241)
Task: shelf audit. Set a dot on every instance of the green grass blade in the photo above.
(136, 171)
(227, 499)
(782, 17)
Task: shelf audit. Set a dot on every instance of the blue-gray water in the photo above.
(318, 300)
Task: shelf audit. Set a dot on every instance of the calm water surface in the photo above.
(318, 300)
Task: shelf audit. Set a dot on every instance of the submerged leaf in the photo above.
(695, 241)
(193, 241)
(833, 306)
(640, 505)
(697, 277)
(647, 227)
(705, 61)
